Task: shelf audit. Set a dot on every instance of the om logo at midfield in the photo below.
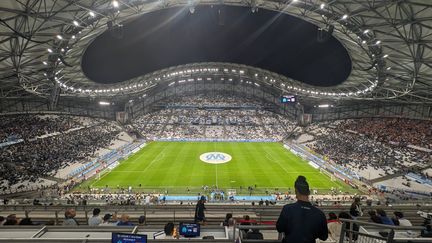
(215, 157)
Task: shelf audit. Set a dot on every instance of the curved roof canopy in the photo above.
(389, 43)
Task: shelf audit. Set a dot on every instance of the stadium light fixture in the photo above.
(49, 50)
(75, 23)
(104, 103)
(345, 16)
(366, 31)
(322, 6)
(385, 56)
(45, 63)
(324, 106)
(378, 42)
(115, 4)
(92, 14)
(73, 37)
(59, 37)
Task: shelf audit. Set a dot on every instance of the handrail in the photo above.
(361, 223)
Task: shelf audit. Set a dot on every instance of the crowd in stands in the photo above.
(399, 131)
(215, 100)
(36, 157)
(350, 148)
(229, 119)
(31, 126)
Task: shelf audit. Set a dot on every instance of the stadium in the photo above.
(133, 115)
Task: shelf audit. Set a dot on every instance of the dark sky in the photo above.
(169, 37)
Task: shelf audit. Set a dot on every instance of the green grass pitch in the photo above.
(176, 166)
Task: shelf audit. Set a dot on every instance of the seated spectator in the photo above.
(11, 220)
(401, 221)
(254, 234)
(334, 226)
(227, 217)
(50, 222)
(245, 221)
(95, 220)
(141, 220)
(384, 219)
(109, 220)
(169, 230)
(374, 218)
(427, 233)
(124, 221)
(26, 221)
(70, 218)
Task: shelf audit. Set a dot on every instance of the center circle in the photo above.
(215, 157)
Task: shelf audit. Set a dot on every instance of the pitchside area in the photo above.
(178, 167)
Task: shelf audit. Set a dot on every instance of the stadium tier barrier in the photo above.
(367, 233)
(379, 233)
(215, 213)
(215, 140)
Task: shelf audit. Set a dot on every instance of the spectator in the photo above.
(107, 220)
(246, 221)
(26, 221)
(300, 221)
(374, 218)
(254, 234)
(199, 211)
(384, 219)
(70, 218)
(124, 221)
(355, 209)
(231, 232)
(355, 228)
(427, 232)
(11, 220)
(334, 226)
(169, 230)
(401, 220)
(95, 220)
(141, 220)
(227, 217)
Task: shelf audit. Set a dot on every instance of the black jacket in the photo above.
(302, 223)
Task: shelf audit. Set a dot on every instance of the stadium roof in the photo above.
(389, 43)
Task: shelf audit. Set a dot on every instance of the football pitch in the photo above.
(176, 167)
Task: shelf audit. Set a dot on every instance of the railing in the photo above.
(366, 232)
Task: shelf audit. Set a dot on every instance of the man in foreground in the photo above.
(301, 222)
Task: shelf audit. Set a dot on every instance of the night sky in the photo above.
(269, 40)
